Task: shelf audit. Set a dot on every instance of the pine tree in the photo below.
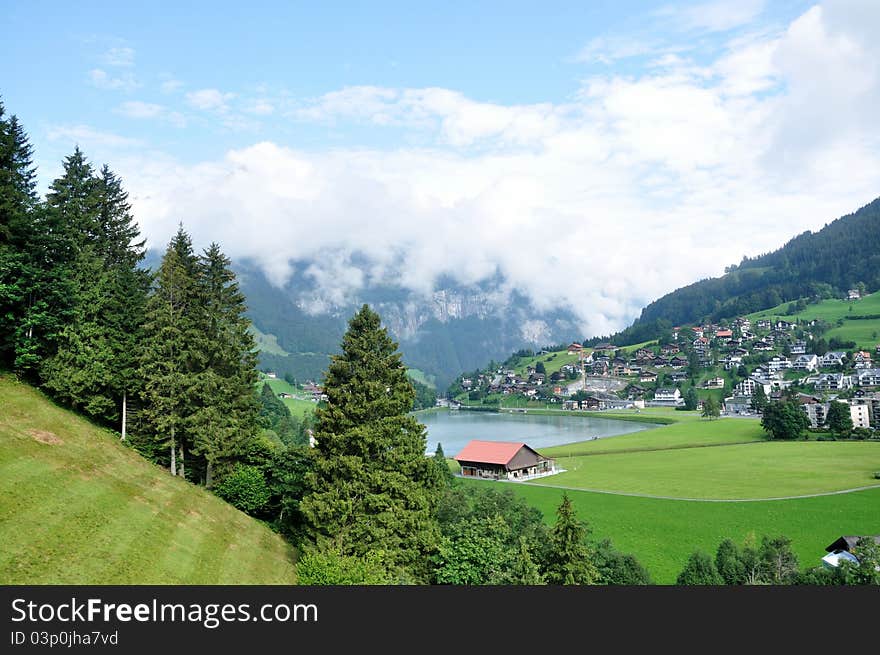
(569, 561)
(95, 367)
(372, 487)
(171, 332)
(524, 570)
(18, 210)
(442, 466)
(225, 418)
(699, 570)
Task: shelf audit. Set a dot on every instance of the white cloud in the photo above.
(104, 80)
(88, 137)
(608, 49)
(146, 110)
(715, 16)
(209, 99)
(639, 185)
(119, 57)
(261, 107)
(170, 85)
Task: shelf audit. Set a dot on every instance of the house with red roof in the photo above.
(503, 460)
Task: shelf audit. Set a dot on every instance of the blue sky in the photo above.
(324, 135)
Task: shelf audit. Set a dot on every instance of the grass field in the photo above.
(299, 405)
(662, 533)
(756, 470)
(552, 361)
(77, 507)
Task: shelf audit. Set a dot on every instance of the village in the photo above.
(740, 364)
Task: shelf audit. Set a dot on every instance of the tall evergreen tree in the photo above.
(18, 205)
(569, 560)
(172, 330)
(372, 486)
(225, 417)
(95, 367)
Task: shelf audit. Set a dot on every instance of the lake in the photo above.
(453, 429)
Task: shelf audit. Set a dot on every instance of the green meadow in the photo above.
(78, 507)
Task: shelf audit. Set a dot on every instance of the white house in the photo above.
(748, 387)
(833, 382)
(668, 397)
(862, 359)
(868, 377)
(714, 383)
(799, 347)
(833, 358)
(778, 363)
(805, 363)
(861, 415)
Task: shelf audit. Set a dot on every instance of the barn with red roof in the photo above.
(503, 460)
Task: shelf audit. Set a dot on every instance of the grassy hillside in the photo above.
(77, 507)
(301, 403)
(864, 331)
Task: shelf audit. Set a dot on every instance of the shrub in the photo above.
(244, 488)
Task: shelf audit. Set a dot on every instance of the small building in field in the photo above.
(503, 460)
(842, 550)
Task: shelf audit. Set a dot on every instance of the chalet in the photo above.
(853, 294)
(842, 549)
(675, 331)
(271, 375)
(284, 394)
(784, 325)
(862, 359)
(701, 344)
(647, 376)
(575, 349)
(799, 347)
(740, 352)
(724, 334)
(714, 383)
(833, 358)
(502, 460)
(635, 391)
(763, 344)
(698, 331)
(805, 363)
(678, 376)
(669, 349)
(660, 362)
(604, 346)
(762, 324)
(643, 353)
(678, 362)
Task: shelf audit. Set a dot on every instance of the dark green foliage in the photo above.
(711, 408)
(699, 570)
(286, 478)
(425, 396)
(784, 420)
(489, 536)
(275, 416)
(730, 563)
(442, 466)
(245, 488)
(838, 419)
(759, 400)
(690, 399)
(616, 568)
(569, 560)
(372, 485)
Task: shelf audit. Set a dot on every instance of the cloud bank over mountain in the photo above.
(640, 182)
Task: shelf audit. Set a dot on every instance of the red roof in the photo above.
(489, 452)
(724, 333)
